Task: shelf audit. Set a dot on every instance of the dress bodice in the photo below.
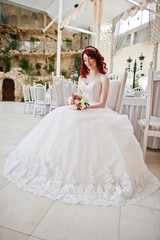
(92, 91)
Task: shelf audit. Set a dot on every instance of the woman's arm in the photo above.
(104, 93)
(79, 80)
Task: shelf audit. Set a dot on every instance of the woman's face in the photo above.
(90, 62)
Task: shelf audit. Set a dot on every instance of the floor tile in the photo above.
(155, 169)
(7, 234)
(6, 148)
(20, 210)
(34, 238)
(56, 223)
(3, 182)
(139, 223)
(153, 201)
(79, 222)
(25, 216)
(92, 223)
(2, 161)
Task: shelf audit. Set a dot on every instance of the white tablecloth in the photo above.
(135, 108)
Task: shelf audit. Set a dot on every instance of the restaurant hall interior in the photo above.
(41, 42)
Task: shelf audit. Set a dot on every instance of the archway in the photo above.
(8, 88)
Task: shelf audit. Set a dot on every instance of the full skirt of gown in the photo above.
(87, 157)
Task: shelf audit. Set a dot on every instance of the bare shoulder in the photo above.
(80, 79)
(104, 78)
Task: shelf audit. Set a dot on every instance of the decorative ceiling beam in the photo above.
(79, 29)
(48, 26)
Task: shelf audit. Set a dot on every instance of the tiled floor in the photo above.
(25, 216)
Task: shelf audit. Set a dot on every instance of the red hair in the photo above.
(95, 54)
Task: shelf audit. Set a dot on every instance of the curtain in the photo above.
(154, 28)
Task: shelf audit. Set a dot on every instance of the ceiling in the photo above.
(111, 9)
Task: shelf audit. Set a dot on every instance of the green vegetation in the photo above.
(13, 45)
(21, 99)
(68, 43)
(7, 61)
(26, 65)
(77, 63)
(49, 66)
(32, 39)
(32, 79)
(138, 76)
(64, 73)
(38, 67)
(4, 19)
(7, 56)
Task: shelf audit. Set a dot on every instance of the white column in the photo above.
(97, 24)
(59, 39)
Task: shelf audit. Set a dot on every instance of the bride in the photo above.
(88, 156)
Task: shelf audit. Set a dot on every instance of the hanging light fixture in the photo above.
(76, 5)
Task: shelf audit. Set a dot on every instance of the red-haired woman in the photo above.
(87, 157)
(93, 71)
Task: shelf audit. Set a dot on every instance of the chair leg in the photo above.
(25, 108)
(144, 146)
(35, 109)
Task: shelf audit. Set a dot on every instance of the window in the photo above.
(142, 35)
(140, 18)
(125, 41)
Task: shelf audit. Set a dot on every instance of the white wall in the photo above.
(134, 51)
(105, 51)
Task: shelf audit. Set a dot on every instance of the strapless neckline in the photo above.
(92, 90)
(89, 83)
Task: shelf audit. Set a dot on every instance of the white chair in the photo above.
(32, 94)
(69, 88)
(150, 126)
(41, 102)
(53, 97)
(114, 76)
(28, 107)
(137, 92)
(116, 91)
(60, 91)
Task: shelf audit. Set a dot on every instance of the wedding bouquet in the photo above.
(78, 101)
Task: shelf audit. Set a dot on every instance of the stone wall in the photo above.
(18, 78)
(25, 26)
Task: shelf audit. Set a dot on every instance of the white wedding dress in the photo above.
(82, 156)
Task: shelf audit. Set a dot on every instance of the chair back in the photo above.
(40, 93)
(41, 102)
(53, 96)
(151, 124)
(116, 91)
(60, 91)
(153, 95)
(26, 93)
(69, 88)
(114, 76)
(32, 94)
(29, 106)
(156, 94)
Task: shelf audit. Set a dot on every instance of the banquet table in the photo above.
(135, 108)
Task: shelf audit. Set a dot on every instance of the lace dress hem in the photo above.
(64, 187)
